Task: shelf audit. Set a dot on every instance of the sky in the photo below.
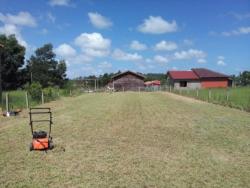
(147, 36)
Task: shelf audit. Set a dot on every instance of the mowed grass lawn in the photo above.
(130, 140)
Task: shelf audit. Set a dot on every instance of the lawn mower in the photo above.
(41, 140)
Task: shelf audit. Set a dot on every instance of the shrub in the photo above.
(35, 90)
(49, 94)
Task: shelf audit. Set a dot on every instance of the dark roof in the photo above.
(180, 75)
(128, 72)
(205, 73)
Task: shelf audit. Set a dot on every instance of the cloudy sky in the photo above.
(97, 36)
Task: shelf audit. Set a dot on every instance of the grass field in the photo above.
(130, 140)
(233, 97)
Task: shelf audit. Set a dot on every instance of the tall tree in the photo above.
(12, 59)
(244, 78)
(45, 69)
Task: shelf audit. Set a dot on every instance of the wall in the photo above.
(190, 85)
(128, 82)
(214, 83)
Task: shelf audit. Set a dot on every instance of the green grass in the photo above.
(130, 140)
(17, 98)
(237, 97)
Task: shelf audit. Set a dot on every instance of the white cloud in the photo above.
(239, 31)
(148, 60)
(59, 2)
(136, 45)
(201, 61)
(191, 53)
(123, 56)
(93, 44)
(12, 24)
(66, 51)
(221, 61)
(21, 19)
(44, 31)
(165, 45)
(157, 25)
(188, 42)
(105, 65)
(51, 17)
(9, 29)
(221, 57)
(99, 21)
(240, 16)
(160, 59)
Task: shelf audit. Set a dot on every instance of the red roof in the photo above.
(205, 73)
(179, 75)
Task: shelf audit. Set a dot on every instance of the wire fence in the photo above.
(233, 97)
(20, 99)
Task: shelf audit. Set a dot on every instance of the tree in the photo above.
(45, 69)
(244, 78)
(12, 59)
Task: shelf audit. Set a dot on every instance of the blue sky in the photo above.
(98, 36)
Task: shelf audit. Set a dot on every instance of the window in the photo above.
(183, 83)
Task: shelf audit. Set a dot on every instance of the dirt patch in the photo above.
(183, 98)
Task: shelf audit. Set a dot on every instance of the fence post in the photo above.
(170, 88)
(209, 94)
(42, 98)
(70, 93)
(197, 93)
(7, 102)
(227, 95)
(27, 100)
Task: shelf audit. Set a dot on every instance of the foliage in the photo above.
(35, 91)
(45, 69)
(244, 78)
(12, 60)
(156, 76)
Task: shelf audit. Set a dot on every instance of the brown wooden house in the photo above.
(127, 81)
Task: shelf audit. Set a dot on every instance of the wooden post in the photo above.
(70, 93)
(209, 94)
(42, 98)
(7, 102)
(95, 85)
(197, 93)
(170, 88)
(227, 95)
(27, 100)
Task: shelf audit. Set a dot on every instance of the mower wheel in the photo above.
(51, 145)
(31, 147)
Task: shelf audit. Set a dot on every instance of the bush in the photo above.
(35, 90)
(49, 94)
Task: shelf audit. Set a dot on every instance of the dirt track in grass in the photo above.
(130, 140)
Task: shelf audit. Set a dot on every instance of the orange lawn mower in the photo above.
(40, 139)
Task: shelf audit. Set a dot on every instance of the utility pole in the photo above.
(1, 47)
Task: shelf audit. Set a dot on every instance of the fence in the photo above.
(22, 99)
(233, 97)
